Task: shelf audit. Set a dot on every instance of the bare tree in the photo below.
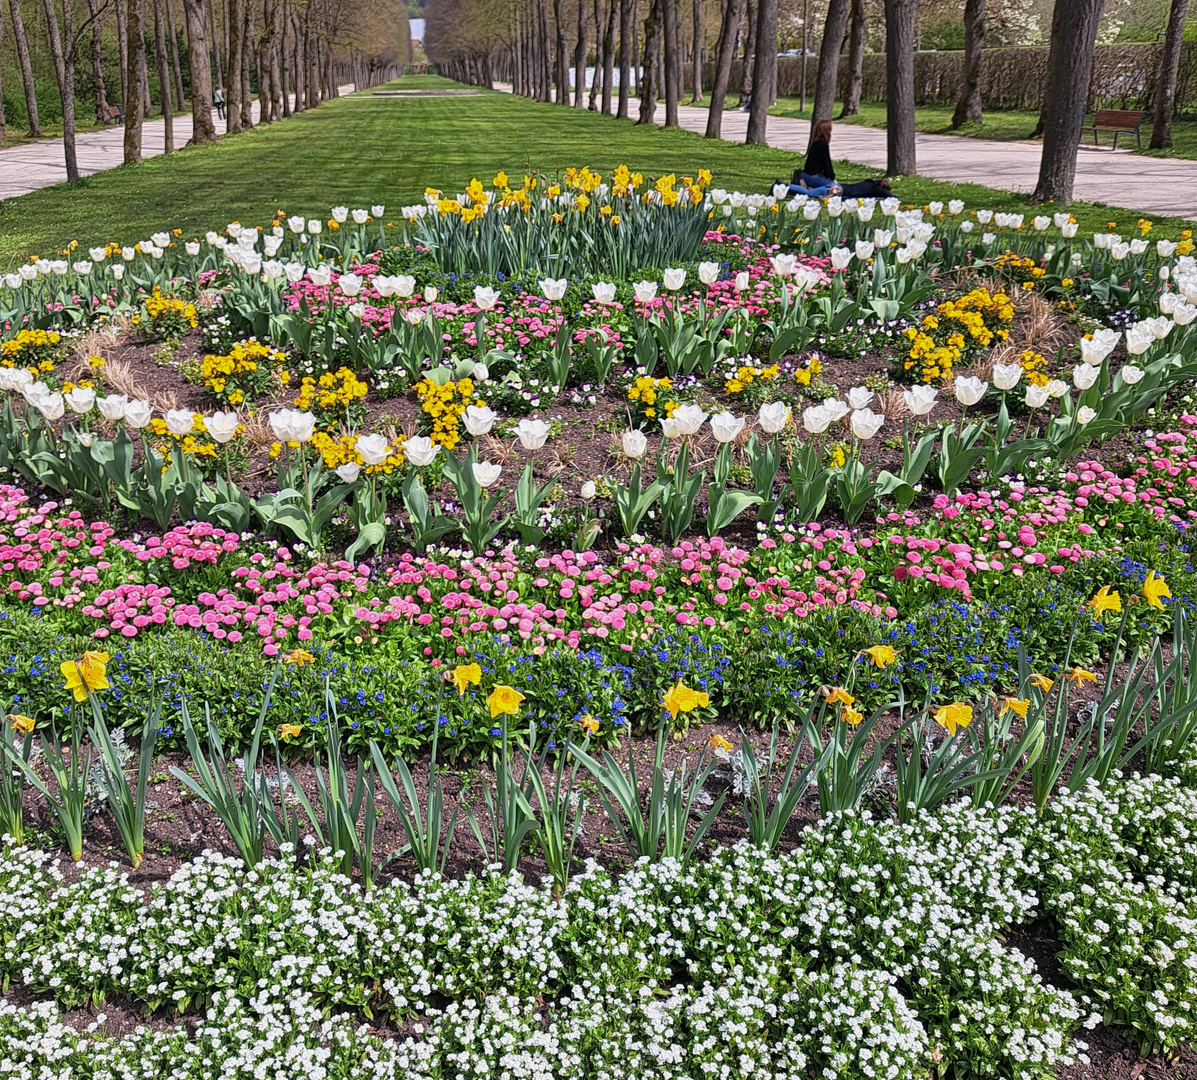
(95, 15)
(236, 27)
(648, 83)
(749, 46)
(673, 62)
(698, 43)
(202, 128)
(764, 73)
(135, 56)
(856, 48)
(1165, 93)
(562, 66)
(168, 116)
(1074, 34)
(580, 56)
(829, 61)
(173, 40)
(725, 52)
(900, 18)
(968, 108)
(609, 56)
(596, 82)
(30, 87)
(626, 56)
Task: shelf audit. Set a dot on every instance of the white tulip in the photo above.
(86, 438)
(708, 272)
(726, 427)
(403, 285)
(675, 278)
(816, 419)
(689, 418)
(179, 422)
(320, 275)
(295, 223)
(603, 292)
(784, 265)
(1138, 246)
(841, 257)
(485, 472)
(1160, 327)
(350, 284)
(431, 292)
(480, 373)
(99, 254)
(138, 414)
(1094, 351)
(554, 288)
(1085, 414)
(1183, 314)
(864, 250)
(485, 297)
(314, 226)
(113, 406)
(866, 424)
(33, 392)
(774, 417)
(836, 409)
(969, 389)
(1165, 249)
(420, 450)
(811, 209)
(1041, 223)
(373, 449)
(589, 490)
(988, 238)
(1084, 376)
(920, 400)
(82, 267)
(81, 399)
(128, 253)
(1006, 376)
(1131, 374)
(1138, 340)
(293, 272)
(50, 406)
(955, 206)
(222, 426)
(646, 291)
(479, 419)
(1057, 388)
(360, 217)
(967, 227)
(531, 433)
(349, 472)
(742, 281)
(378, 210)
(859, 397)
(634, 443)
(340, 214)
(889, 206)
(883, 238)
(1036, 396)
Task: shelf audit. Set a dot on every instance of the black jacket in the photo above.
(818, 160)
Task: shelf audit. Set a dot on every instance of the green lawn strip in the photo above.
(362, 152)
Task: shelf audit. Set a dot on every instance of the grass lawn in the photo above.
(362, 149)
(1002, 126)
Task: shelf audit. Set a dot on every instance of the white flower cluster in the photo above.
(870, 952)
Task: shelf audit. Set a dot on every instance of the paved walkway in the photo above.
(39, 164)
(1148, 185)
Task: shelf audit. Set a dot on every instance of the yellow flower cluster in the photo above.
(32, 349)
(245, 367)
(340, 450)
(746, 375)
(334, 390)
(196, 444)
(158, 307)
(973, 321)
(1034, 367)
(445, 404)
(690, 190)
(806, 376)
(646, 390)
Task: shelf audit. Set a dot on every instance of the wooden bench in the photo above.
(1120, 122)
(115, 114)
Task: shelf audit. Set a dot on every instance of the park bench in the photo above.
(1120, 122)
(114, 114)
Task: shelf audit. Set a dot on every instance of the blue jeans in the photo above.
(815, 192)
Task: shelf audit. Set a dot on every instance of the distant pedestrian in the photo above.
(218, 101)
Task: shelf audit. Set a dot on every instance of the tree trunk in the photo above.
(968, 108)
(725, 52)
(134, 55)
(900, 16)
(827, 78)
(97, 61)
(202, 128)
(749, 46)
(764, 74)
(580, 56)
(299, 64)
(698, 51)
(64, 72)
(1074, 34)
(168, 116)
(217, 72)
(1165, 94)
(648, 80)
(599, 61)
(286, 79)
(626, 57)
(673, 63)
(609, 57)
(247, 65)
(22, 44)
(278, 93)
(173, 38)
(147, 108)
(856, 48)
(265, 113)
(3, 130)
(561, 72)
(236, 26)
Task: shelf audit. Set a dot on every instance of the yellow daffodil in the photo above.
(1078, 675)
(589, 725)
(850, 715)
(289, 731)
(881, 655)
(464, 674)
(21, 723)
(500, 180)
(1154, 589)
(86, 673)
(1105, 601)
(1042, 682)
(504, 699)
(838, 693)
(299, 657)
(954, 717)
(718, 742)
(1014, 705)
(681, 699)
